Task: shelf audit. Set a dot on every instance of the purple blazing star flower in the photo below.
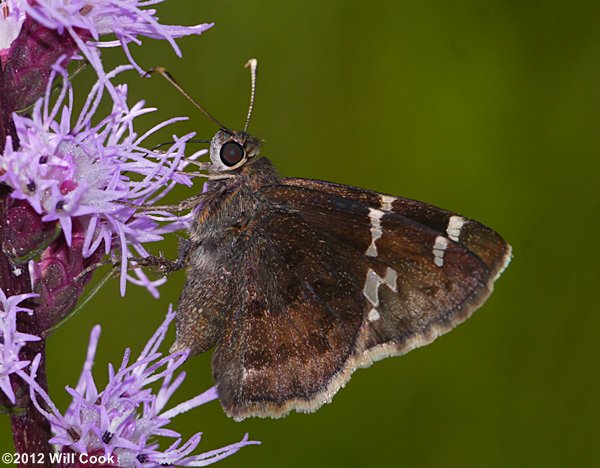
(12, 15)
(95, 174)
(11, 341)
(125, 418)
(128, 20)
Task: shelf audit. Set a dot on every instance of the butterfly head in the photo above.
(230, 150)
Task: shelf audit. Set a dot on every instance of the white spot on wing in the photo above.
(455, 224)
(376, 232)
(17, 272)
(373, 315)
(390, 279)
(373, 281)
(371, 286)
(387, 202)
(439, 247)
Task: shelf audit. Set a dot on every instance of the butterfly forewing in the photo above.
(419, 283)
(480, 239)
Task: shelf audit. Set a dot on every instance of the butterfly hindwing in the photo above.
(334, 278)
(293, 325)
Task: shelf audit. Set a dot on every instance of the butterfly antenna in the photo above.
(166, 143)
(167, 76)
(252, 64)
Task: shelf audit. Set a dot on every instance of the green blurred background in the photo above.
(488, 108)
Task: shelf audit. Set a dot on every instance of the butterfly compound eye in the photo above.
(231, 153)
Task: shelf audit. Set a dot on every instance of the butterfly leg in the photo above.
(157, 264)
(184, 205)
(187, 204)
(164, 265)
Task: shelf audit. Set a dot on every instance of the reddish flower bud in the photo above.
(25, 234)
(59, 277)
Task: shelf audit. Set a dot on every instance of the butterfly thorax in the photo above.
(218, 239)
(235, 201)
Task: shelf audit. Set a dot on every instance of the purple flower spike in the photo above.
(128, 20)
(95, 174)
(11, 341)
(125, 418)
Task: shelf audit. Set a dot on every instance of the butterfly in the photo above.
(297, 283)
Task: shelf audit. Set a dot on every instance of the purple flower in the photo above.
(128, 20)
(11, 341)
(125, 418)
(95, 174)
(12, 16)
